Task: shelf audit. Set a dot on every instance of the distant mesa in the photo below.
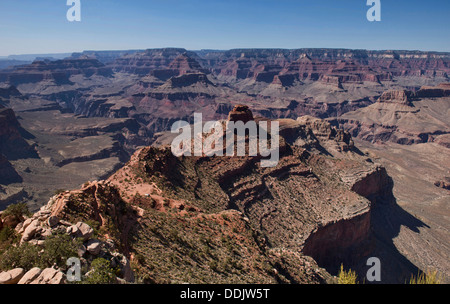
(185, 80)
(240, 113)
(405, 97)
(58, 71)
(441, 90)
(397, 96)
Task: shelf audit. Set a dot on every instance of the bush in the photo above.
(7, 234)
(346, 277)
(58, 248)
(101, 273)
(25, 256)
(17, 210)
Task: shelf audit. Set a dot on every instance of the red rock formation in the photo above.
(161, 63)
(240, 113)
(441, 90)
(398, 96)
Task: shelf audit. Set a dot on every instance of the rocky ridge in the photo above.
(200, 208)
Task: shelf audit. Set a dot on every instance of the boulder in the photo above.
(72, 230)
(53, 221)
(57, 279)
(85, 230)
(240, 113)
(49, 276)
(81, 230)
(21, 228)
(65, 223)
(30, 231)
(125, 267)
(109, 245)
(46, 232)
(11, 277)
(94, 246)
(39, 243)
(30, 276)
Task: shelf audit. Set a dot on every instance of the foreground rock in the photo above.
(48, 276)
(30, 276)
(11, 277)
(55, 218)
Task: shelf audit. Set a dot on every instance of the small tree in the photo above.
(17, 210)
(58, 248)
(25, 256)
(101, 273)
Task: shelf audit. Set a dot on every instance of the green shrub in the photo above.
(25, 256)
(58, 248)
(7, 234)
(101, 273)
(17, 210)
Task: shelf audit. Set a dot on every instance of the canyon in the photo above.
(363, 169)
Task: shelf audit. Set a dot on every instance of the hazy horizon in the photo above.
(218, 50)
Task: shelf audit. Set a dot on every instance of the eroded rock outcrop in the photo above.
(401, 117)
(399, 96)
(204, 210)
(240, 113)
(332, 211)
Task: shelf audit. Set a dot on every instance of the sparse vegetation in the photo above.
(347, 277)
(101, 273)
(59, 191)
(25, 256)
(7, 235)
(430, 277)
(57, 249)
(17, 210)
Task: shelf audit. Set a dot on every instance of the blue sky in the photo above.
(40, 26)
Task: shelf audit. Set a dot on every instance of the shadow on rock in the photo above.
(387, 218)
